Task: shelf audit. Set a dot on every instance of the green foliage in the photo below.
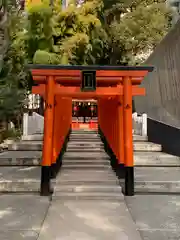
(56, 36)
(10, 134)
(43, 57)
(13, 78)
(98, 32)
(38, 31)
(137, 30)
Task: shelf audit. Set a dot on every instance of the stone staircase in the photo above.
(86, 172)
(155, 171)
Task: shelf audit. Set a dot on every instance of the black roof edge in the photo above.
(90, 67)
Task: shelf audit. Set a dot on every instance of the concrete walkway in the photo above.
(88, 220)
(22, 216)
(157, 217)
(31, 217)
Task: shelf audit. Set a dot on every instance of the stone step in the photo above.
(88, 174)
(88, 155)
(157, 159)
(39, 137)
(85, 144)
(37, 146)
(88, 181)
(84, 131)
(91, 135)
(138, 146)
(84, 137)
(21, 158)
(140, 138)
(34, 137)
(147, 146)
(87, 140)
(85, 149)
(84, 167)
(85, 162)
(20, 179)
(19, 186)
(26, 146)
(80, 188)
(88, 196)
(159, 180)
(28, 158)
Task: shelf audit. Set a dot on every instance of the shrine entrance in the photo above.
(84, 114)
(112, 87)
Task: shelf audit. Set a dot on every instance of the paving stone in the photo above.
(19, 235)
(156, 216)
(100, 220)
(22, 212)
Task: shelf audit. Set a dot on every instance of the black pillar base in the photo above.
(112, 160)
(59, 163)
(53, 170)
(120, 171)
(45, 181)
(129, 181)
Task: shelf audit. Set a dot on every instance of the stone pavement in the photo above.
(32, 217)
(22, 216)
(157, 216)
(29, 216)
(88, 220)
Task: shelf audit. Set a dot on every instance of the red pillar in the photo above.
(48, 137)
(128, 138)
(120, 130)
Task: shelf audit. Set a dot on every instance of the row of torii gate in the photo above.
(112, 86)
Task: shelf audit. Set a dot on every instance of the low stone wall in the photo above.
(139, 124)
(33, 124)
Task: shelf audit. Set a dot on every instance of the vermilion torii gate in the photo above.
(112, 86)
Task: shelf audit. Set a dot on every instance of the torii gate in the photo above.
(112, 86)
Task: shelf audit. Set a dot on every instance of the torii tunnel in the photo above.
(113, 87)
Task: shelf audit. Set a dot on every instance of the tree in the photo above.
(133, 35)
(96, 32)
(70, 36)
(12, 74)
